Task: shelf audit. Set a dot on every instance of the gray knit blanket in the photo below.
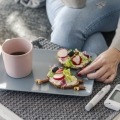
(31, 3)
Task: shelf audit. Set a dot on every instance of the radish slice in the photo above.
(59, 71)
(76, 60)
(58, 76)
(85, 53)
(62, 53)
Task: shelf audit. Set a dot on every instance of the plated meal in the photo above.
(44, 64)
(61, 76)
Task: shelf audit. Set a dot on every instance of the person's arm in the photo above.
(106, 64)
(116, 40)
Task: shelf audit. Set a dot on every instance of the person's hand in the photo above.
(104, 67)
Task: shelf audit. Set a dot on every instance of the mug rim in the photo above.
(24, 39)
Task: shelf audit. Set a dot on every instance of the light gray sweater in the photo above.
(116, 40)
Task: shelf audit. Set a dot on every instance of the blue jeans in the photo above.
(81, 28)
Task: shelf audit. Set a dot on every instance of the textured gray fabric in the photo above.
(36, 106)
(19, 21)
(31, 3)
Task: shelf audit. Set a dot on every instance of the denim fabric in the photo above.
(80, 28)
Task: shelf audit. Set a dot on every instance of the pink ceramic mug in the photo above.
(17, 57)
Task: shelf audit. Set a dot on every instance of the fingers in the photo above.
(98, 73)
(104, 77)
(105, 68)
(110, 79)
(92, 67)
(107, 76)
(96, 59)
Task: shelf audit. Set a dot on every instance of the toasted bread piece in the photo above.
(74, 59)
(66, 86)
(61, 78)
(73, 67)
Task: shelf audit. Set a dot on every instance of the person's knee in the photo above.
(95, 43)
(65, 34)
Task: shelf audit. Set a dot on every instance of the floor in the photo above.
(19, 21)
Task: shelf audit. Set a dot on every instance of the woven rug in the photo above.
(19, 21)
(37, 106)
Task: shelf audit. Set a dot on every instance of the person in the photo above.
(81, 29)
(106, 63)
